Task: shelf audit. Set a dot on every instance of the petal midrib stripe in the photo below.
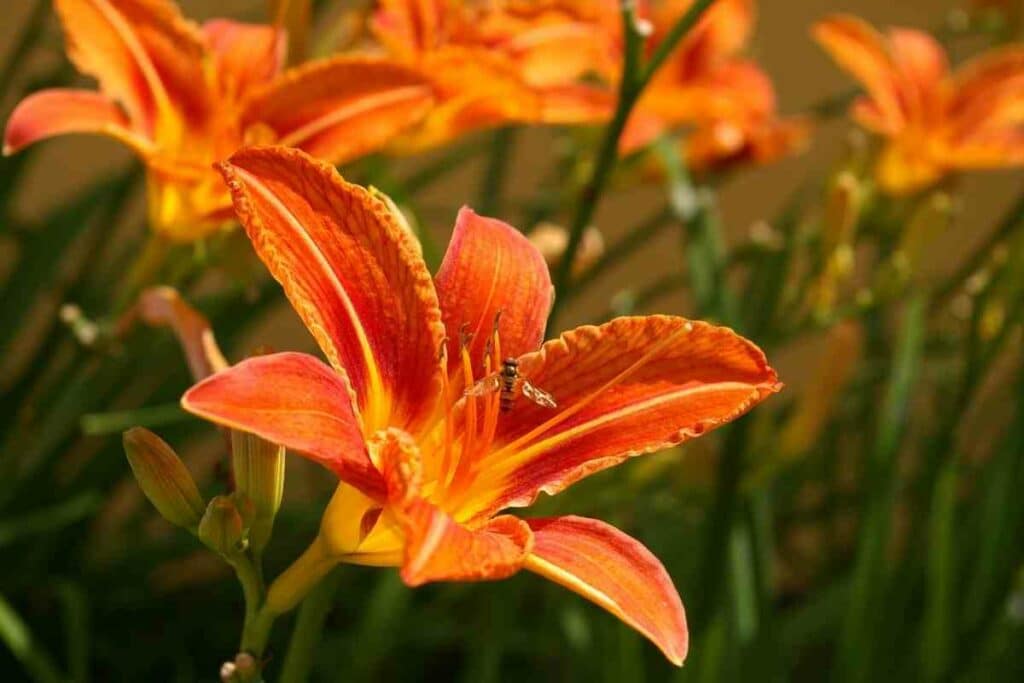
(376, 385)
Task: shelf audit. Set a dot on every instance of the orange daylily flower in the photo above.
(425, 466)
(727, 102)
(934, 121)
(498, 63)
(183, 96)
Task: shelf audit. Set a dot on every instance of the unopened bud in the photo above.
(222, 528)
(551, 240)
(925, 226)
(259, 476)
(163, 478)
(842, 211)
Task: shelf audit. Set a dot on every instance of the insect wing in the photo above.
(487, 385)
(538, 396)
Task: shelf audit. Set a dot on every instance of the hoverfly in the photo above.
(510, 383)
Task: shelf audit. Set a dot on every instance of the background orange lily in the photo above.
(934, 121)
(727, 101)
(184, 96)
(504, 62)
(426, 470)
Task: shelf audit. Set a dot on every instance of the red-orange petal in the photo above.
(614, 571)
(247, 55)
(144, 54)
(341, 108)
(863, 52)
(491, 268)
(353, 274)
(632, 386)
(291, 399)
(437, 548)
(58, 112)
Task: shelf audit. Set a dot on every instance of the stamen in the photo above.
(446, 407)
(467, 466)
(469, 416)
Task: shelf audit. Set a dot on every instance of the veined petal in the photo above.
(632, 386)
(614, 571)
(294, 400)
(925, 69)
(247, 55)
(341, 108)
(477, 88)
(437, 548)
(354, 276)
(490, 269)
(143, 52)
(862, 51)
(58, 112)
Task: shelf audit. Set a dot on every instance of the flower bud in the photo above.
(222, 528)
(163, 478)
(259, 476)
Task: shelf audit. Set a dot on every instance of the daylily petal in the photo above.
(632, 386)
(407, 27)
(903, 168)
(862, 51)
(294, 400)
(439, 549)
(143, 52)
(247, 55)
(354, 276)
(989, 93)
(919, 56)
(477, 89)
(340, 108)
(58, 112)
(615, 572)
(576, 104)
(491, 269)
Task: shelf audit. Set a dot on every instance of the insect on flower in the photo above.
(511, 384)
(433, 449)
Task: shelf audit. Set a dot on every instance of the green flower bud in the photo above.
(163, 478)
(259, 478)
(222, 528)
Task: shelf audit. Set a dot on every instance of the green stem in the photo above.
(309, 624)
(489, 201)
(97, 424)
(720, 522)
(634, 79)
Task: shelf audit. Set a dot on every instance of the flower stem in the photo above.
(635, 78)
(308, 626)
(489, 201)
